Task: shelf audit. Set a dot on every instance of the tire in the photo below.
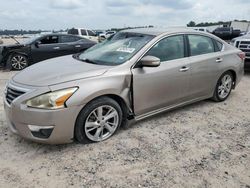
(91, 125)
(223, 87)
(18, 62)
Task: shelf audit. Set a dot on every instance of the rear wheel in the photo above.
(98, 121)
(18, 62)
(224, 87)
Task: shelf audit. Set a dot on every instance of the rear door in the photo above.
(166, 85)
(205, 62)
(70, 44)
(74, 44)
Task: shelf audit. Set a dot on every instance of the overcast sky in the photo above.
(104, 14)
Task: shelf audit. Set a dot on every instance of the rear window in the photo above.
(219, 45)
(200, 45)
(73, 31)
(49, 40)
(91, 33)
(83, 32)
(65, 39)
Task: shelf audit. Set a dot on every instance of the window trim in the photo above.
(135, 65)
(59, 43)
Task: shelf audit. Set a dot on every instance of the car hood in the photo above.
(58, 70)
(13, 46)
(243, 37)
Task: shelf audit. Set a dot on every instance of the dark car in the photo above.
(226, 33)
(19, 56)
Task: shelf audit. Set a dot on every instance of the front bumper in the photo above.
(24, 121)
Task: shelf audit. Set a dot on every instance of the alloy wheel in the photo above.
(101, 123)
(225, 86)
(19, 62)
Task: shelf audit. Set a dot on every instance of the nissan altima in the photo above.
(133, 75)
(19, 56)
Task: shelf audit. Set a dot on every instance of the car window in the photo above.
(219, 45)
(65, 39)
(200, 45)
(91, 33)
(49, 40)
(83, 32)
(169, 48)
(73, 31)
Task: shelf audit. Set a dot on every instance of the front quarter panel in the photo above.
(117, 83)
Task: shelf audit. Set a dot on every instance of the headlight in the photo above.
(52, 100)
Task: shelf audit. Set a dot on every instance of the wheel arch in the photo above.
(234, 76)
(127, 113)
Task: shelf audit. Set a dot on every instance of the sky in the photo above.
(105, 14)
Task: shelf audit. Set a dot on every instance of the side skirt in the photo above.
(164, 109)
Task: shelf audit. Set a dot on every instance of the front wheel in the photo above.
(224, 87)
(98, 121)
(18, 62)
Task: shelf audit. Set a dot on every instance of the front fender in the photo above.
(92, 88)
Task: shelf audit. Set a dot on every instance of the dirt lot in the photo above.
(203, 145)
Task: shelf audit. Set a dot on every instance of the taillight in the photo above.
(242, 55)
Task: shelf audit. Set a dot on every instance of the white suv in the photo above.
(107, 34)
(86, 33)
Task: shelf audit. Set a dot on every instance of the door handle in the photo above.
(184, 69)
(78, 46)
(56, 48)
(219, 60)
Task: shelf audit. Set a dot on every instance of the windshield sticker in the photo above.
(126, 50)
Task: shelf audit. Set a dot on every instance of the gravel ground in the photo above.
(206, 144)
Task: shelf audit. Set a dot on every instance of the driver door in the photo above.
(45, 48)
(166, 85)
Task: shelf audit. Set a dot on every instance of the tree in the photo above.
(191, 24)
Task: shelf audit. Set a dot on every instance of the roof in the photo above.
(158, 31)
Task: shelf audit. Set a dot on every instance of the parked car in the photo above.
(98, 32)
(86, 33)
(107, 34)
(226, 33)
(135, 74)
(19, 56)
(204, 29)
(243, 43)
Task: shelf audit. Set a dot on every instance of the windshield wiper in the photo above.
(88, 61)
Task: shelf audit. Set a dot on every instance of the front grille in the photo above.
(12, 94)
(245, 42)
(244, 46)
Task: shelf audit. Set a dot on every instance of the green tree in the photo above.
(191, 24)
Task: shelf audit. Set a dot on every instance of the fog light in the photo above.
(41, 131)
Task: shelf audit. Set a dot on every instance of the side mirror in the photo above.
(37, 43)
(150, 61)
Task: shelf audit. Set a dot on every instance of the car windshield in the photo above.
(116, 50)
